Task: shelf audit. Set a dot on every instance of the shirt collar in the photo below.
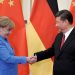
(68, 32)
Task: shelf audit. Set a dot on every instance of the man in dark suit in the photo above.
(63, 48)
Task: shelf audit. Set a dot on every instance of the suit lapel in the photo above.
(69, 39)
(67, 42)
(58, 43)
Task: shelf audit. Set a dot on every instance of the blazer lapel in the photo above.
(60, 40)
(58, 43)
(68, 41)
(7, 45)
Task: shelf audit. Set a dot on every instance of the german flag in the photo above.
(41, 32)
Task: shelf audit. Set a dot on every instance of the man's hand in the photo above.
(31, 59)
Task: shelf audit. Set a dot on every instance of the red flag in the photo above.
(72, 9)
(41, 32)
(12, 9)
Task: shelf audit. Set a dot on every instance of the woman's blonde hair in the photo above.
(5, 21)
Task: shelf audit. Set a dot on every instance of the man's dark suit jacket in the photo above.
(64, 62)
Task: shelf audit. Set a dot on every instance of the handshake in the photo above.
(31, 59)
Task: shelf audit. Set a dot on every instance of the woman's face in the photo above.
(5, 31)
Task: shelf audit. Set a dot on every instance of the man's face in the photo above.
(61, 25)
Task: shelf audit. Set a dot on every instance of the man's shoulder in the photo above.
(59, 34)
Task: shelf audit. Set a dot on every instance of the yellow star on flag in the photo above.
(11, 3)
(1, 1)
(73, 3)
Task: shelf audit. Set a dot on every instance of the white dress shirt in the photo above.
(68, 33)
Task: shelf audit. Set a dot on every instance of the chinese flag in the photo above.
(41, 32)
(72, 9)
(12, 9)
